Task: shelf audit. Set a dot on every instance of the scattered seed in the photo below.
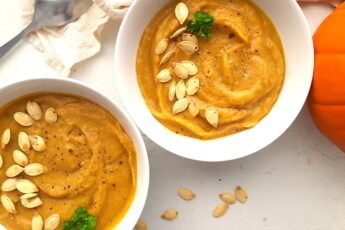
(26, 186)
(28, 195)
(186, 194)
(164, 76)
(51, 116)
(23, 119)
(241, 194)
(33, 202)
(34, 110)
(37, 222)
(193, 85)
(227, 198)
(24, 142)
(180, 90)
(212, 116)
(191, 67)
(20, 158)
(220, 210)
(1, 161)
(180, 105)
(172, 91)
(188, 46)
(189, 37)
(166, 57)
(9, 185)
(141, 225)
(14, 170)
(181, 12)
(5, 138)
(162, 46)
(193, 108)
(180, 70)
(37, 143)
(178, 32)
(52, 222)
(34, 169)
(169, 214)
(8, 204)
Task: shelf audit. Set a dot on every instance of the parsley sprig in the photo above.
(81, 220)
(202, 25)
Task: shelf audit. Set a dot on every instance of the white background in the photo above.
(296, 183)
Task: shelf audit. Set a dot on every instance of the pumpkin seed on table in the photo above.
(162, 46)
(181, 12)
(33, 202)
(9, 185)
(191, 67)
(193, 108)
(34, 169)
(20, 158)
(8, 204)
(227, 198)
(34, 110)
(180, 70)
(172, 91)
(37, 222)
(220, 210)
(24, 142)
(26, 186)
(169, 214)
(37, 143)
(52, 222)
(241, 194)
(164, 76)
(28, 195)
(188, 46)
(180, 90)
(5, 138)
(212, 116)
(193, 85)
(180, 105)
(189, 37)
(23, 119)
(1, 161)
(51, 116)
(178, 32)
(166, 57)
(186, 194)
(141, 225)
(14, 170)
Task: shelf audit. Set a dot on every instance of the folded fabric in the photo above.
(65, 46)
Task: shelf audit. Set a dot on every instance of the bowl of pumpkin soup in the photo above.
(71, 158)
(214, 80)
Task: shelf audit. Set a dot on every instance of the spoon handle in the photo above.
(11, 43)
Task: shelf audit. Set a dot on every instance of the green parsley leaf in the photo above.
(202, 26)
(81, 220)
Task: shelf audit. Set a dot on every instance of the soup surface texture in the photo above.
(89, 162)
(240, 68)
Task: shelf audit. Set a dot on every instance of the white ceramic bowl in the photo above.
(15, 90)
(297, 41)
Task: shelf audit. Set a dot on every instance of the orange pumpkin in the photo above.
(326, 100)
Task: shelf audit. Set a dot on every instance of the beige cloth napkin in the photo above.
(65, 46)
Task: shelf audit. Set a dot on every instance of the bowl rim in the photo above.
(137, 205)
(173, 148)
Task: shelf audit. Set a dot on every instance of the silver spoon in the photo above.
(334, 3)
(50, 13)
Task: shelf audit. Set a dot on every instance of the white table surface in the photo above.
(295, 183)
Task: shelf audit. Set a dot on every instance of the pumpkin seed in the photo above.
(5, 138)
(191, 67)
(9, 185)
(23, 119)
(241, 194)
(52, 222)
(181, 12)
(34, 110)
(28, 195)
(34, 169)
(31, 202)
(193, 108)
(180, 89)
(188, 46)
(193, 85)
(8, 204)
(178, 32)
(24, 142)
(189, 37)
(169, 214)
(162, 46)
(186, 194)
(51, 116)
(220, 210)
(37, 143)
(1, 161)
(164, 76)
(172, 91)
(141, 225)
(20, 158)
(14, 170)
(227, 198)
(37, 222)
(26, 186)
(166, 57)
(180, 70)
(180, 105)
(212, 116)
